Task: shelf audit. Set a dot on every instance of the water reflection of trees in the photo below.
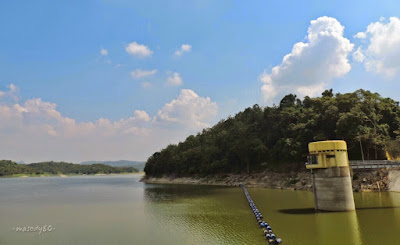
(205, 214)
(166, 193)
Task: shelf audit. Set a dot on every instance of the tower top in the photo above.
(327, 154)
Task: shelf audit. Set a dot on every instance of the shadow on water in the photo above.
(298, 211)
(313, 211)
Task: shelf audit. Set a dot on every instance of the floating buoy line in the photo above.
(268, 233)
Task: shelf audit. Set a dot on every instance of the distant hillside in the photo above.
(121, 163)
(8, 167)
(272, 137)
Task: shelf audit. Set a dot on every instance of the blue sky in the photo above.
(51, 50)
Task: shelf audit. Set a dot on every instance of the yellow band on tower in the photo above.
(327, 154)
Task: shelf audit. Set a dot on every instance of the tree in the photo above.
(280, 134)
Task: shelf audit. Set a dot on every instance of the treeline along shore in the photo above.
(265, 142)
(9, 168)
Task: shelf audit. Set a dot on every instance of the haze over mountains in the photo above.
(120, 163)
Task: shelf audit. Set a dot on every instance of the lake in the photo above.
(118, 209)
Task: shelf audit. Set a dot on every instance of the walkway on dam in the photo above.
(373, 164)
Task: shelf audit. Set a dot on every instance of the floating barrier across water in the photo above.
(268, 233)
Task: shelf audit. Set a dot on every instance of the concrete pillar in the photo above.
(332, 189)
(331, 178)
(394, 180)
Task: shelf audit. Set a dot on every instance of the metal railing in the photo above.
(369, 164)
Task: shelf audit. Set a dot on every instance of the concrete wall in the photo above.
(394, 180)
(333, 189)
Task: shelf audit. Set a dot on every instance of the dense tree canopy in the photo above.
(259, 138)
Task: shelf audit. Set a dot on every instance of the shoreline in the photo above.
(362, 181)
(266, 180)
(63, 175)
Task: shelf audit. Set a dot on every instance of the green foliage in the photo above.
(393, 148)
(292, 181)
(10, 168)
(266, 138)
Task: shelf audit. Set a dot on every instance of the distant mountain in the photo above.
(120, 163)
(8, 168)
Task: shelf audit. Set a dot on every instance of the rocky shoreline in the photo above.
(363, 180)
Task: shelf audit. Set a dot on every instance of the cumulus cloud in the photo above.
(311, 65)
(268, 90)
(382, 54)
(174, 79)
(183, 49)
(139, 50)
(11, 94)
(142, 115)
(35, 130)
(104, 52)
(138, 73)
(360, 35)
(189, 110)
(358, 55)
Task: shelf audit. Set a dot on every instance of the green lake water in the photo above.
(121, 210)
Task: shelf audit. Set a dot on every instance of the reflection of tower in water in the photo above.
(338, 228)
(395, 200)
(378, 214)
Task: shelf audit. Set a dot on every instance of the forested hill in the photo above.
(121, 163)
(270, 137)
(8, 167)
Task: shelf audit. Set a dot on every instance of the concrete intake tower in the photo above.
(329, 164)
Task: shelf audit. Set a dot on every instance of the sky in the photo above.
(117, 79)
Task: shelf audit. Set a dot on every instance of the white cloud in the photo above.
(174, 79)
(358, 55)
(360, 35)
(184, 48)
(382, 55)
(146, 85)
(11, 94)
(36, 131)
(141, 115)
(13, 88)
(139, 50)
(268, 90)
(104, 52)
(138, 73)
(311, 65)
(189, 110)
(311, 90)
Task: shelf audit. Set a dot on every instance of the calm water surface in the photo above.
(121, 210)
